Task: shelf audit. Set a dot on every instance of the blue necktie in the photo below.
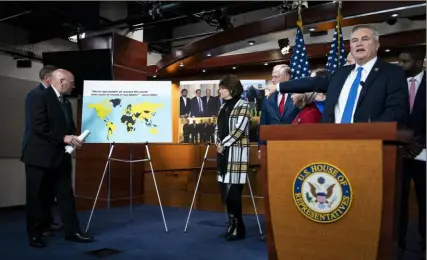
(351, 100)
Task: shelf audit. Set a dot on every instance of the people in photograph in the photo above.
(186, 131)
(309, 113)
(411, 61)
(194, 132)
(260, 99)
(209, 105)
(232, 143)
(184, 104)
(219, 102)
(197, 105)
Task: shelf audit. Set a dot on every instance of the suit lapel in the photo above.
(288, 105)
(54, 99)
(421, 93)
(369, 80)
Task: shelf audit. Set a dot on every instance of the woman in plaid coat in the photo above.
(232, 142)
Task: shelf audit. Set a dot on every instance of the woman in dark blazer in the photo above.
(232, 143)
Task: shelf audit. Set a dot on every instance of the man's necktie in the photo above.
(351, 100)
(412, 93)
(200, 105)
(64, 108)
(282, 105)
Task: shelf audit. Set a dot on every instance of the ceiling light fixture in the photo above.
(266, 64)
(203, 71)
(394, 15)
(387, 50)
(234, 68)
(312, 29)
(251, 42)
(208, 54)
(181, 64)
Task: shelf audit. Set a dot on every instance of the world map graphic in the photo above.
(121, 117)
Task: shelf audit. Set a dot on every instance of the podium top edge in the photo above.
(363, 131)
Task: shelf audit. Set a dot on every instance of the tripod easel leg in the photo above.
(100, 185)
(197, 187)
(155, 185)
(253, 202)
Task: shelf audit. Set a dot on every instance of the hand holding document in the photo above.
(70, 149)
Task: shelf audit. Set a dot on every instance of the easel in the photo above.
(197, 187)
(130, 161)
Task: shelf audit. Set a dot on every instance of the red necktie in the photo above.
(282, 105)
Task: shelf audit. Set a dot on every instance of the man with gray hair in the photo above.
(45, 76)
(278, 108)
(370, 90)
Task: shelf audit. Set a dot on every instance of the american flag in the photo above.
(336, 57)
(299, 63)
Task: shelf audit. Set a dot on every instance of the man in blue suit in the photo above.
(45, 76)
(278, 108)
(411, 61)
(369, 91)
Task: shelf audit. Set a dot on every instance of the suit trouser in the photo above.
(39, 182)
(415, 170)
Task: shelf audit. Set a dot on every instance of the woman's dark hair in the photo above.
(233, 84)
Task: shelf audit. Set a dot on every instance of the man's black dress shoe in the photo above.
(80, 238)
(37, 242)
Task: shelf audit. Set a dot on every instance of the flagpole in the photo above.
(339, 18)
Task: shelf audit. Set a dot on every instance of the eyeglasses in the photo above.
(72, 82)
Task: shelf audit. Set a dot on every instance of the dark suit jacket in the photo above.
(48, 126)
(417, 119)
(270, 112)
(384, 96)
(209, 108)
(40, 87)
(184, 109)
(195, 107)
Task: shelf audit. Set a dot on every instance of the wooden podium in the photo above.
(306, 223)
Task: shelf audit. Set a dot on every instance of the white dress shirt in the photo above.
(185, 100)
(418, 78)
(345, 91)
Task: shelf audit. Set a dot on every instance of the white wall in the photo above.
(12, 173)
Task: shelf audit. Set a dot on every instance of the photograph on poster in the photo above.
(200, 103)
(201, 98)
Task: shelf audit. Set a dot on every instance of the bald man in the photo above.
(350, 60)
(51, 128)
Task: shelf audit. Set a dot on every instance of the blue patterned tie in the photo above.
(351, 100)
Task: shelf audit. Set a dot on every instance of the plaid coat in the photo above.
(238, 142)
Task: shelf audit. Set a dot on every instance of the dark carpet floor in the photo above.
(145, 237)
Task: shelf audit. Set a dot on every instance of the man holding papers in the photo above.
(414, 166)
(369, 91)
(51, 129)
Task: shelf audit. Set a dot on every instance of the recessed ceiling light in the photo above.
(208, 54)
(181, 64)
(266, 64)
(387, 50)
(155, 76)
(234, 68)
(394, 15)
(251, 42)
(312, 29)
(203, 70)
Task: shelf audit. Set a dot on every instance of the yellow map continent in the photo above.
(110, 128)
(145, 109)
(103, 109)
(154, 131)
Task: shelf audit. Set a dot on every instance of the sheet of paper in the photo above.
(422, 156)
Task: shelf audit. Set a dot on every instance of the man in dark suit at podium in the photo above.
(51, 128)
(369, 91)
(411, 61)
